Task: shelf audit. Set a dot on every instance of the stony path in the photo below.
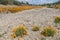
(41, 17)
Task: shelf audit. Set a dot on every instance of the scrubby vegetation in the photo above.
(57, 19)
(49, 31)
(21, 30)
(35, 28)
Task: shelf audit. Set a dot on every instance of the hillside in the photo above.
(53, 5)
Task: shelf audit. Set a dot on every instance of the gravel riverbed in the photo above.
(42, 17)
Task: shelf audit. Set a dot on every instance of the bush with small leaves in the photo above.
(35, 28)
(49, 31)
(21, 30)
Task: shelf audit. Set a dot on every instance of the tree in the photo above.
(27, 3)
(10, 2)
(3, 1)
(6, 2)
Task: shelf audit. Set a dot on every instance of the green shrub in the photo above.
(57, 19)
(49, 31)
(19, 31)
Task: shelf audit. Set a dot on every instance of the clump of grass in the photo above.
(49, 31)
(21, 30)
(57, 19)
(43, 38)
(35, 28)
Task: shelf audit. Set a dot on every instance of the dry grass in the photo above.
(57, 19)
(58, 6)
(35, 28)
(17, 8)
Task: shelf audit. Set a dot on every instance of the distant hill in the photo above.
(53, 5)
(14, 2)
(57, 2)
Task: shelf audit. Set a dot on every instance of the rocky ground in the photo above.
(42, 17)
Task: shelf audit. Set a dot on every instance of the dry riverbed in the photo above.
(42, 17)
